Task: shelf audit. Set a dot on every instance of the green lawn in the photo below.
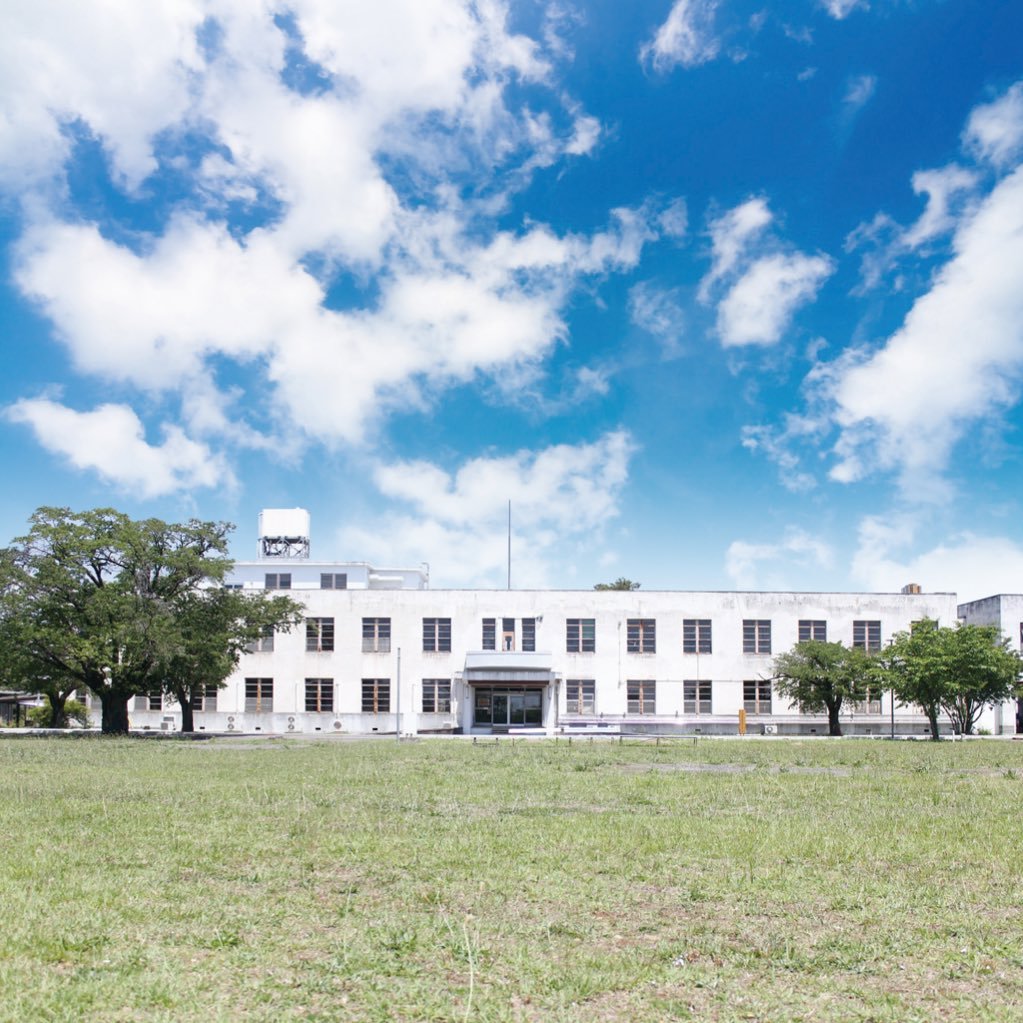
(437, 880)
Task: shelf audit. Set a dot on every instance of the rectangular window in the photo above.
(436, 696)
(204, 698)
(581, 635)
(641, 636)
(333, 580)
(154, 700)
(319, 635)
(756, 696)
(376, 635)
(507, 633)
(813, 629)
(696, 636)
(437, 635)
(696, 697)
(580, 695)
(376, 695)
(278, 581)
(263, 645)
(319, 695)
(489, 633)
(756, 636)
(529, 635)
(259, 695)
(872, 704)
(867, 635)
(642, 696)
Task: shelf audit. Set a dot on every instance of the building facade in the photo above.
(381, 652)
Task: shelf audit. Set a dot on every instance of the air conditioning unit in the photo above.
(770, 729)
(230, 722)
(291, 724)
(337, 726)
(167, 724)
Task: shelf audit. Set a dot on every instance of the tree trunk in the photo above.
(185, 703)
(58, 719)
(834, 725)
(115, 713)
(932, 717)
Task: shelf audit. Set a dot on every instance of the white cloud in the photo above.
(967, 564)
(562, 499)
(956, 359)
(659, 312)
(110, 440)
(122, 72)
(447, 295)
(759, 307)
(731, 234)
(859, 90)
(994, 131)
(942, 188)
(687, 36)
(758, 566)
(779, 446)
(842, 8)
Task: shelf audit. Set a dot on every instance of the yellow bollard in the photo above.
(742, 721)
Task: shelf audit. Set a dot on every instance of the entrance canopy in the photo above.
(504, 667)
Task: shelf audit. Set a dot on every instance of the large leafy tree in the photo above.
(212, 627)
(91, 596)
(819, 676)
(959, 670)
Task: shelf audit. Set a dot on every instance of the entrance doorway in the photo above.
(502, 706)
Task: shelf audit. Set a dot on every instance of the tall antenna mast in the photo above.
(509, 544)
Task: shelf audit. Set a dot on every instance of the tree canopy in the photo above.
(820, 676)
(101, 600)
(621, 583)
(212, 627)
(957, 669)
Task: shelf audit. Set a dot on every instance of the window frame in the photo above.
(812, 629)
(437, 635)
(439, 692)
(262, 700)
(576, 639)
(333, 577)
(697, 696)
(320, 693)
(281, 581)
(697, 636)
(580, 696)
(374, 692)
(756, 635)
(489, 637)
(641, 696)
(376, 635)
(641, 635)
(319, 635)
(756, 703)
(869, 638)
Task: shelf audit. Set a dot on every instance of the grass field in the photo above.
(437, 880)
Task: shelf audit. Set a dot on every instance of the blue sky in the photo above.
(718, 294)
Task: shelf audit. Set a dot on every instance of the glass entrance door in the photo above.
(501, 706)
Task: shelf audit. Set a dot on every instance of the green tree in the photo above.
(90, 596)
(819, 676)
(621, 583)
(958, 670)
(212, 627)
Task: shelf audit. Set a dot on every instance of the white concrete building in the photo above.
(380, 652)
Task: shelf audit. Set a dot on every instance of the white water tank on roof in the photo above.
(284, 533)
